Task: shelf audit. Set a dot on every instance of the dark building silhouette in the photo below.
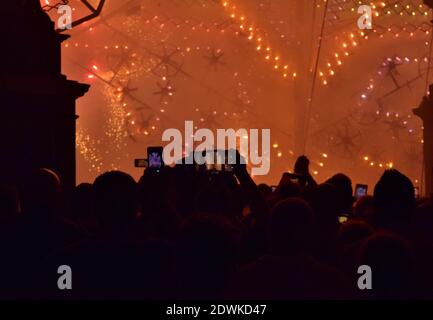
(425, 112)
(37, 102)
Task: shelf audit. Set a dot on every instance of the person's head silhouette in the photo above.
(40, 193)
(302, 165)
(115, 196)
(390, 260)
(394, 197)
(291, 227)
(344, 186)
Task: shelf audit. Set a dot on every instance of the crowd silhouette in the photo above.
(182, 233)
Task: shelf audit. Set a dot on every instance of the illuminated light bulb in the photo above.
(280, 154)
(325, 82)
(325, 155)
(259, 48)
(275, 145)
(366, 158)
(294, 74)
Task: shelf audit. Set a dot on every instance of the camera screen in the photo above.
(155, 160)
(360, 191)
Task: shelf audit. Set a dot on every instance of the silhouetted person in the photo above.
(353, 231)
(206, 255)
(114, 265)
(394, 197)
(351, 236)
(158, 215)
(288, 188)
(40, 194)
(221, 195)
(391, 263)
(116, 204)
(39, 231)
(365, 209)
(289, 271)
(325, 202)
(302, 169)
(344, 187)
(265, 190)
